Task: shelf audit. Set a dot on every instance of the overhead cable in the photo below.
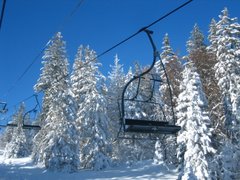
(2, 12)
(67, 18)
(113, 47)
(142, 29)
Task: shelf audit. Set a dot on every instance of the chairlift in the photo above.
(3, 107)
(32, 111)
(132, 124)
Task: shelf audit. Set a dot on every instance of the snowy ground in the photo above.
(23, 168)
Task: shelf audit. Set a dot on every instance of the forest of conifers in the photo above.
(79, 116)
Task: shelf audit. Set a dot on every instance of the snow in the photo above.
(23, 168)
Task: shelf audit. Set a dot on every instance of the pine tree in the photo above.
(116, 83)
(196, 40)
(211, 86)
(212, 37)
(77, 78)
(92, 120)
(61, 150)
(204, 59)
(194, 139)
(56, 144)
(6, 136)
(227, 68)
(173, 69)
(19, 144)
(116, 79)
(160, 152)
(226, 44)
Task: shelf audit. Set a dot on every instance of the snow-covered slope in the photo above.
(23, 168)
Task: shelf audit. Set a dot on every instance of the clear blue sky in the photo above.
(29, 24)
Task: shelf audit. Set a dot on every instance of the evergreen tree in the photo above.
(77, 78)
(92, 120)
(56, 144)
(227, 69)
(173, 69)
(61, 145)
(116, 79)
(19, 145)
(226, 44)
(211, 86)
(204, 59)
(212, 37)
(160, 152)
(196, 40)
(6, 136)
(194, 139)
(116, 83)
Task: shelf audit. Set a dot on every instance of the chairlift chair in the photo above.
(3, 107)
(34, 111)
(136, 125)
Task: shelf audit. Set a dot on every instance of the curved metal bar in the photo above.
(137, 91)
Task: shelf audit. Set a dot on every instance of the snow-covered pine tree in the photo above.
(173, 69)
(194, 139)
(77, 78)
(19, 145)
(227, 70)
(210, 85)
(226, 44)
(116, 78)
(199, 56)
(196, 40)
(212, 37)
(56, 144)
(204, 60)
(92, 120)
(160, 152)
(61, 145)
(6, 136)
(116, 83)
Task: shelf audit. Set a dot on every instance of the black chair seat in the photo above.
(145, 122)
(12, 125)
(165, 129)
(26, 126)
